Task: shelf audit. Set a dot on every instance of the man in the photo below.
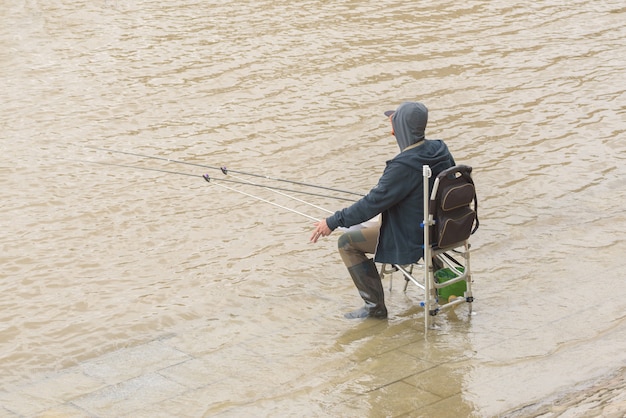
(398, 196)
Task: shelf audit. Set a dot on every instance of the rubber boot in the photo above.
(367, 280)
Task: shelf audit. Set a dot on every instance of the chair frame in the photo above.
(447, 256)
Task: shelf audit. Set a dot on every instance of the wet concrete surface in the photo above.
(373, 368)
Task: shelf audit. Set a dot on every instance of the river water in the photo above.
(96, 257)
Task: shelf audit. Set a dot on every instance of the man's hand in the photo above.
(321, 230)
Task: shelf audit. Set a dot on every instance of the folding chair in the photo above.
(450, 218)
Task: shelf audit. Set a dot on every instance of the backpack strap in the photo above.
(468, 177)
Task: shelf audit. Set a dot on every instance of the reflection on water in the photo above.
(99, 257)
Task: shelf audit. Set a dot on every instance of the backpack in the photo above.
(455, 218)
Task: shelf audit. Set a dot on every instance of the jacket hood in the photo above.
(432, 152)
(409, 123)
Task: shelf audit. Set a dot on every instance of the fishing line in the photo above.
(225, 170)
(205, 177)
(137, 168)
(286, 195)
(208, 179)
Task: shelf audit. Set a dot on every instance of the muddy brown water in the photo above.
(96, 257)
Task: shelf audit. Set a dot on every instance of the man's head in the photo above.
(408, 122)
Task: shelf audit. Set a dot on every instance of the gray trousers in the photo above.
(354, 246)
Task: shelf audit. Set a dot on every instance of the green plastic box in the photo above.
(456, 289)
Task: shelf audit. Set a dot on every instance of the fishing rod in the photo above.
(208, 179)
(247, 183)
(224, 170)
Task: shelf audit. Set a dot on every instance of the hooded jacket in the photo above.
(398, 196)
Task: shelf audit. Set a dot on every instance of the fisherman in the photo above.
(398, 197)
